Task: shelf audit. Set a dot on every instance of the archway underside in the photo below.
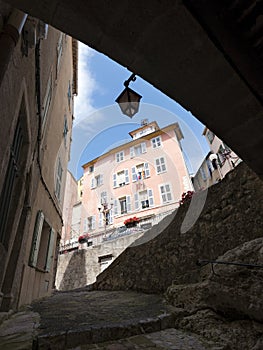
(201, 55)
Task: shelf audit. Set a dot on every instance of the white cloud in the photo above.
(87, 84)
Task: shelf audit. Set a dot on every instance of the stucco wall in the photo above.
(79, 268)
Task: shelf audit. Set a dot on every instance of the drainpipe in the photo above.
(9, 38)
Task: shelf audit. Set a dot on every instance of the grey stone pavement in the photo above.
(83, 319)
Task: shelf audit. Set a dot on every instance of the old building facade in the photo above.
(144, 178)
(38, 84)
(218, 162)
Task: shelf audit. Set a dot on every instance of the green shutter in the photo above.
(36, 239)
(50, 254)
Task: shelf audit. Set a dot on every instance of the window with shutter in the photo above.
(160, 165)
(36, 239)
(143, 147)
(100, 220)
(93, 183)
(156, 142)
(147, 170)
(116, 207)
(166, 194)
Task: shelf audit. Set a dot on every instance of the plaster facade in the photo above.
(144, 178)
(36, 95)
(218, 162)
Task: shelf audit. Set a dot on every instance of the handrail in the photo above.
(206, 262)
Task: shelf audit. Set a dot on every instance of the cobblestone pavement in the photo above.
(82, 320)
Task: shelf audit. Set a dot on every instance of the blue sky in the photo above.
(99, 124)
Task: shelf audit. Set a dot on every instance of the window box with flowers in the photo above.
(83, 239)
(131, 222)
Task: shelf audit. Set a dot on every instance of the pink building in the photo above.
(144, 178)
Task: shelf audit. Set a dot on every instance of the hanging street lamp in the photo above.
(129, 99)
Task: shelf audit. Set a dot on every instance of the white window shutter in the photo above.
(147, 170)
(128, 202)
(110, 217)
(116, 207)
(132, 153)
(85, 225)
(93, 222)
(136, 201)
(36, 239)
(134, 175)
(126, 172)
(114, 176)
(150, 197)
(50, 254)
(100, 220)
(143, 147)
(93, 183)
(101, 179)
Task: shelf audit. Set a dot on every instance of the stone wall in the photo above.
(231, 216)
(79, 268)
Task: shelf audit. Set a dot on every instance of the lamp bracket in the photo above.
(131, 78)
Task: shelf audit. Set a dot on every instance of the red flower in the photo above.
(131, 220)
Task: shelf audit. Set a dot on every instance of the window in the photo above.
(47, 100)
(119, 157)
(91, 169)
(59, 50)
(221, 156)
(143, 199)
(65, 130)
(103, 197)
(59, 180)
(166, 194)
(156, 142)
(140, 172)
(121, 178)
(89, 223)
(122, 205)
(42, 249)
(160, 165)
(210, 136)
(137, 150)
(97, 181)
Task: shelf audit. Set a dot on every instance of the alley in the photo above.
(83, 319)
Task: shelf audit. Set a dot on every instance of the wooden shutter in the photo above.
(128, 202)
(134, 175)
(136, 201)
(127, 180)
(110, 217)
(93, 222)
(93, 183)
(132, 153)
(147, 170)
(50, 253)
(36, 239)
(150, 197)
(143, 147)
(116, 207)
(100, 220)
(114, 176)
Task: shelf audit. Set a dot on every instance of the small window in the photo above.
(166, 194)
(144, 199)
(97, 181)
(119, 157)
(140, 172)
(89, 224)
(123, 205)
(160, 165)
(91, 169)
(156, 142)
(137, 150)
(103, 197)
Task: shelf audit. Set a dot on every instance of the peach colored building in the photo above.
(218, 162)
(144, 178)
